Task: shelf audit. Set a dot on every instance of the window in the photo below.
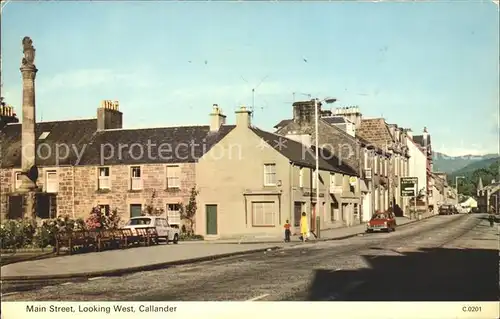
(18, 180)
(174, 214)
(375, 164)
(104, 180)
(51, 182)
(301, 177)
(263, 214)
(334, 208)
(135, 178)
(385, 167)
(366, 159)
(270, 175)
(356, 211)
(105, 209)
(173, 177)
(135, 211)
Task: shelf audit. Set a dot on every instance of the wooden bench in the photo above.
(71, 240)
(106, 239)
(147, 236)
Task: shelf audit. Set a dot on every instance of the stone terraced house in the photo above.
(84, 163)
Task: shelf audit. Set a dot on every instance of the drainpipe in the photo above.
(291, 194)
(73, 190)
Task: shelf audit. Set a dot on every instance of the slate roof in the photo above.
(419, 139)
(327, 119)
(175, 144)
(184, 144)
(73, 133)
(297, 153)
(376, 131)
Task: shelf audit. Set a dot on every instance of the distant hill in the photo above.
(470, 168)
(449, 164)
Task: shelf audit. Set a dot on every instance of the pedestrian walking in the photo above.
(491, 218)
(288, 232)
(304, 227)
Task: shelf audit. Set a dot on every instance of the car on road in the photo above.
(167, 232)
(385, 221)
(447, 210)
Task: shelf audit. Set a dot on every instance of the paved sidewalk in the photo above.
(326, 235)
(116, 262)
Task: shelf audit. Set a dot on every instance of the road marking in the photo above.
(258, 297)
(9, 293)
(94, 278)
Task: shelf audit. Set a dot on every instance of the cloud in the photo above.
(89, 78)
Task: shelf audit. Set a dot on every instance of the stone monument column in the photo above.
(28, 153)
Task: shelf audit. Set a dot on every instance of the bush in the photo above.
(189, 236)
(99, 220)
(16, 234)
(46, 233)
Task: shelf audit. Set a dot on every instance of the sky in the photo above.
(419, 65)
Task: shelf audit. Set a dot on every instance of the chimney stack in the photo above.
(109, 115)
(303, 112)
(243, 117)
(217, 118)
(351, 113)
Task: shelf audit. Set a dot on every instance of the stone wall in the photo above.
(78, 191)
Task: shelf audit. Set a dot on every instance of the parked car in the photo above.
(382, 222)
(167, 232)
(447, 210)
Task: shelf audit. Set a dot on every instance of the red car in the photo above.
(385, 221)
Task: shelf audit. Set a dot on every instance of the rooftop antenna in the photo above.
(252, 108)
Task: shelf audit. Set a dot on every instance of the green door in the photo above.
(211, 211)
(135, 210)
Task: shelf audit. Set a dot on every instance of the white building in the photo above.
(417, 164)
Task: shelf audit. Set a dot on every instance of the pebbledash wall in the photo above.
(78, 188)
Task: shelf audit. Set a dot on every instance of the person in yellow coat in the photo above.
(304, 227)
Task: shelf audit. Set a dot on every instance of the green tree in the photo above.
(188, 212)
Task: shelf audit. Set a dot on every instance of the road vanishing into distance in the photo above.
(444, 258)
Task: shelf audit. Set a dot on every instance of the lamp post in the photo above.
(316, 125)
(456, 184)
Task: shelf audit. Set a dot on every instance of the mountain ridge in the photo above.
(449, 164)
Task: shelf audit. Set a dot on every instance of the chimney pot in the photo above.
(108, 115)
(217, 118)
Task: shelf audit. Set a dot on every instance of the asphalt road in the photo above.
(444, 258)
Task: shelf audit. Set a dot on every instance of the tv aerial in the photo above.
(252, 107)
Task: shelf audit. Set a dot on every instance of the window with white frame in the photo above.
(366, 159)
(18, 180)
(263, 214)
(51, 181)
(174, 214)
(269, 174)
(375, 164)
(135, 178)
(385, 166)
(104, 180)
(173, 176)
(105, 209)
(301, 177)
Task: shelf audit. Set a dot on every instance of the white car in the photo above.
(170, 233)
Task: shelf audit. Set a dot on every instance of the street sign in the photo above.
(409, 186)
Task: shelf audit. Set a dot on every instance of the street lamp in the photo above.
(456, 184)
(316, 124)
